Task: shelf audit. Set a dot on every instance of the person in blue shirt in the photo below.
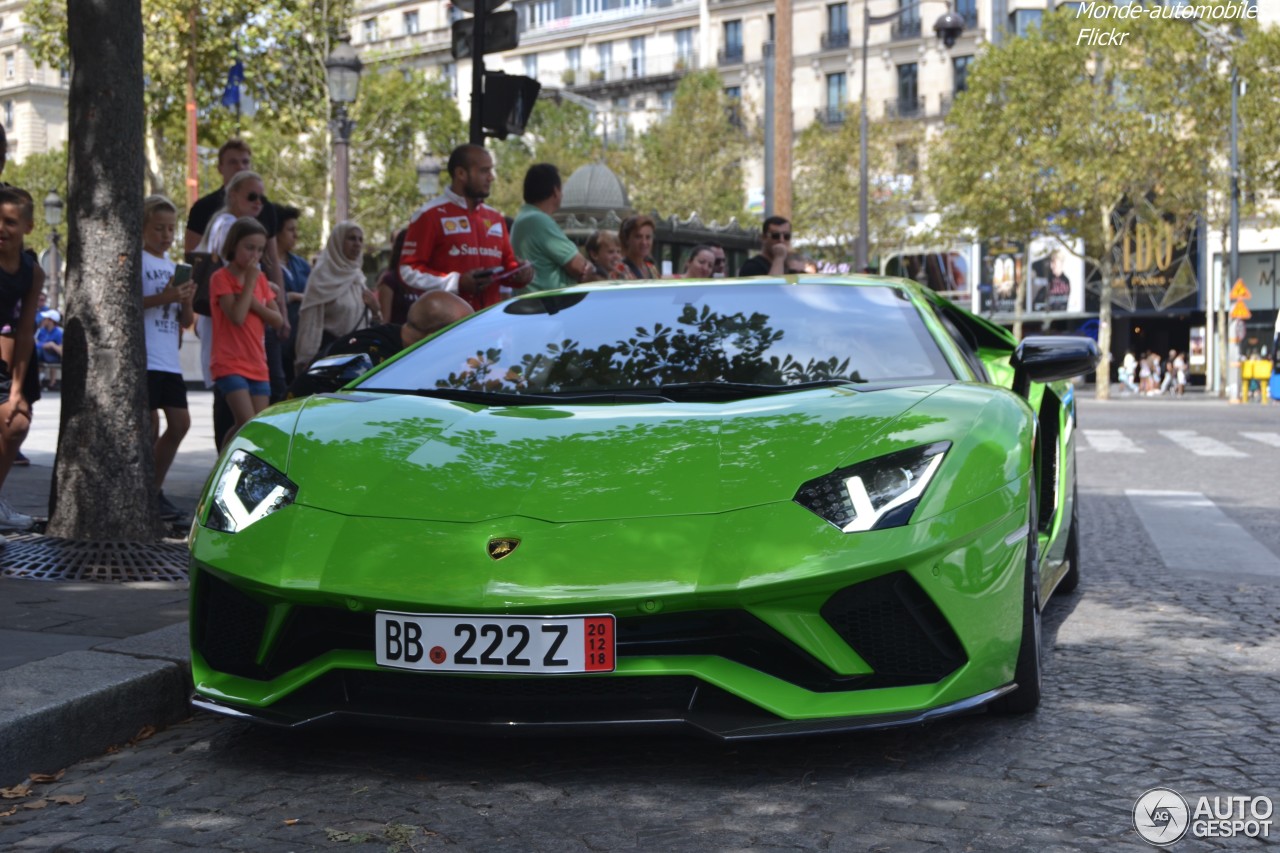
(296, 271)
(49, 348)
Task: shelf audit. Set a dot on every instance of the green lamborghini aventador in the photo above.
(748, 508)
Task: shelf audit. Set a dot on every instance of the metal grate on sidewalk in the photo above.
(37, 557)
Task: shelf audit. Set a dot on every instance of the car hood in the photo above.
(401, 456)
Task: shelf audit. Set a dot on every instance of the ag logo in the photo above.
(499, 548)
(1161, 816)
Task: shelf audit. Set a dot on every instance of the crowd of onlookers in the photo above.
(1151, 376)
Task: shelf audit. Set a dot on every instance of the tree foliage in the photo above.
(690, 161)
(1055, 137)
(37, 174)
(558, 133)
(282, 44)
(826, 185)
(401, 115)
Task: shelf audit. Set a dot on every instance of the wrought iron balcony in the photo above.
(904, 108)
(835, 39)
(829, 115)
(905, 29)
(731, 55)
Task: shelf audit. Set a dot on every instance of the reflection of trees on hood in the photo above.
(704, 346)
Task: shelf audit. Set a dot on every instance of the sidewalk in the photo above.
(85, 665)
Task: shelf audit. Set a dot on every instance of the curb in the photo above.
(73, 706)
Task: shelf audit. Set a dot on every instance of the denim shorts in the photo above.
(255, 387)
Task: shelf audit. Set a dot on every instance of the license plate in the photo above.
(511, 644)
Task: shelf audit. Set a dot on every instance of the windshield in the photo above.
(640, 340)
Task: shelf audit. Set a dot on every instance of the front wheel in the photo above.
(1027, 672)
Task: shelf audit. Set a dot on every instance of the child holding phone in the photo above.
(167, 292)
(243, 306)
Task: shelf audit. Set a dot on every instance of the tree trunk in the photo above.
(103, 478)
(1103, 376)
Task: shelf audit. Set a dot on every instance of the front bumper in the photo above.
(739, 638)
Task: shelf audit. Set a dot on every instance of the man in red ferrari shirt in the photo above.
(457, 243)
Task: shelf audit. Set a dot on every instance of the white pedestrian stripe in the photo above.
(1192, 534)
(1200, 445)
(1271, 438)
(1110, 441)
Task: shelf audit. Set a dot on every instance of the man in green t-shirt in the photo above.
(537, 238)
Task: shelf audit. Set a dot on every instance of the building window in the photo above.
(604, 57)
(908, 90)
(908, 159)
(960, 72)
(637, 57)
(837, 90)
(531, 66)
(371, 29)
(411, 23)
(8, 66)
(907, 26)
(773, 28)
(8, 120)
(573, 59)
(732, 50)
(968, 10)
(684, 46)
(667, 100)
(734, 110)
(1021, 21)
(837, 34)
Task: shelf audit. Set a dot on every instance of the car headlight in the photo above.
(875, 494)
(248, 490)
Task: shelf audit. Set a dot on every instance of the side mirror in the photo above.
(1044, 358)
(337, 370)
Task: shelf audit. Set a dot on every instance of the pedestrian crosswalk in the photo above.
(1242, 444)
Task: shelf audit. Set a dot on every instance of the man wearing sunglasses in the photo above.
(775, 242)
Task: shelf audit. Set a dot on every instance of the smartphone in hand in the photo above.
(181, 274)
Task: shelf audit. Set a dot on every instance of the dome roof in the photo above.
(594, 190)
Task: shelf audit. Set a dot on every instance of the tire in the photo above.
(1071, 579)
(1028, 670)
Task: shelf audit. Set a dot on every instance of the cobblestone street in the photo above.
(1155, 677)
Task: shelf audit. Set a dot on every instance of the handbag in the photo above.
(203, 266)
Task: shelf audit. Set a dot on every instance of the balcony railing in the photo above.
(904, 108)
(829, 115)
(835, 39)
(731, 55)
(650, 66)
(639, 9)
(906, 29)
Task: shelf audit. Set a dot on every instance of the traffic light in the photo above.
(508, 103)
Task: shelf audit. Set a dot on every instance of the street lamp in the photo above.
(429, 169)
(53, 216)
(948, 27)
(343, 70)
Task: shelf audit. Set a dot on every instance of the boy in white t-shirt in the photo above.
(167, 310)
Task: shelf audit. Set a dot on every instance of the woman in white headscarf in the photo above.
(336, 300)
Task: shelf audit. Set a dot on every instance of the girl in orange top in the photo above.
(243, 305)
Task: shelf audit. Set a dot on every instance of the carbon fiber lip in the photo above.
(723, 727)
